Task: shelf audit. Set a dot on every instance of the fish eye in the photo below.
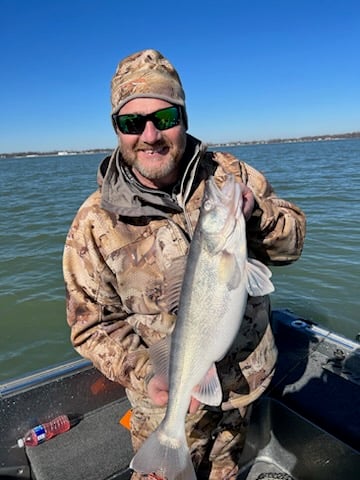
(207, 205)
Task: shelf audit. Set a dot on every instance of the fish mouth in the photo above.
(215, 192)
(227, 194)
(222, 207)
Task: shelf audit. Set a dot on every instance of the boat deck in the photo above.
(96, 448)
(306, 427)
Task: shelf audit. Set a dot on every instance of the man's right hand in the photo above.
(158, 391)
(159, 394)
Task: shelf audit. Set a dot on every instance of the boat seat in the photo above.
(98, 448)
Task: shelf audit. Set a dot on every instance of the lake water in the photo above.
(40, 196)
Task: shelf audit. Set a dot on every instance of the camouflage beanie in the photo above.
(146, 74)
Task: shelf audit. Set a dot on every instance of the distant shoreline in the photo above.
(315, 138)
(55, 153)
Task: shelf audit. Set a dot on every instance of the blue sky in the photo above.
(251, 69)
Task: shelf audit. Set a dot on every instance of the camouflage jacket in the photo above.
(123, 243)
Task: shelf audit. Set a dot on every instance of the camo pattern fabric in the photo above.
(145, 73)
(119, 272)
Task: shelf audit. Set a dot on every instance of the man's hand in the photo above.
(248, 201)
(159, 395)
(158, 391)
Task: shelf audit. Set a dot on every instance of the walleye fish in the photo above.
(218, 278)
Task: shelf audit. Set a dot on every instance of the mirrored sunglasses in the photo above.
(134, 124)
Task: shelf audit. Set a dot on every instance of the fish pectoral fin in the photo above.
(209, 390)
(229, 270)
(258, 278)
(160, 357)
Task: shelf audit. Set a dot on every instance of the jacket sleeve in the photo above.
(100, 330)
(276, 230)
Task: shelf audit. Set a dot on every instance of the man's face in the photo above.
(154, 155)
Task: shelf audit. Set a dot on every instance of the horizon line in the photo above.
(65, 152)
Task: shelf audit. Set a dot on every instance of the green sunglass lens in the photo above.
(131, 123)
(167, 118)
(134, 124)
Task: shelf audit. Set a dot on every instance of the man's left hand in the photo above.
(248, 201)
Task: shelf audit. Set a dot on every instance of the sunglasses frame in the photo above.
(143, 119)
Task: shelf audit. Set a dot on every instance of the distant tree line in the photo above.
(339, 136)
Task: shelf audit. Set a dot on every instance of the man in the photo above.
(134, 231)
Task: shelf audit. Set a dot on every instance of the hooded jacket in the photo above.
(126, 239)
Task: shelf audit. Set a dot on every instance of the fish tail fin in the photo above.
(164, 456)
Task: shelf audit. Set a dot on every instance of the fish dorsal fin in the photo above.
(160, 357)
(209, 391)
(258, 278)
(173, 279)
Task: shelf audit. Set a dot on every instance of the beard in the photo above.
(160, 161)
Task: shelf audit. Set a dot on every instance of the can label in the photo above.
(40, 433)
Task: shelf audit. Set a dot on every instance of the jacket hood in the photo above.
(124, 195)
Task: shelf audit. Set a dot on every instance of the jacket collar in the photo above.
(124, 195)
